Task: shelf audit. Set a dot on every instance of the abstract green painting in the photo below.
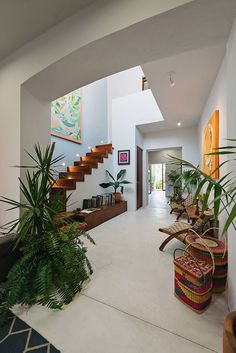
(66, 116)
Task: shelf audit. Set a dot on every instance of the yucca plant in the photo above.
(221, 194)
(53, 265)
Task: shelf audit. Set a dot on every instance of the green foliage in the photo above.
(54, 265)
(117, 183)
(222, 190)
(190, 179)
(174, 181)
(173, 178)
(159, 184)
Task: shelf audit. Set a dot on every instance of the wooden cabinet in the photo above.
(104, 214)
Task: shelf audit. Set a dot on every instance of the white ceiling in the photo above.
(23, 20)
(197, 25)
(195, 72)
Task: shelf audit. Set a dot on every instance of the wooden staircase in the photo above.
(67, 180)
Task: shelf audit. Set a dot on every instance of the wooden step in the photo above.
(78, 176)
(80, 168)
(68, 184)
(103, 154)
(102, 149)
(106, 145)
(98, 159)
(91, 164)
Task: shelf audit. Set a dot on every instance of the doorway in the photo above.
(157, 185)
(159, 168)
(158, 177)
(139, 177)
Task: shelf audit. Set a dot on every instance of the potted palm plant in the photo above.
(53, 264)
(116, 183)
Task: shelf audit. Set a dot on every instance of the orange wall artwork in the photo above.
(210, 143)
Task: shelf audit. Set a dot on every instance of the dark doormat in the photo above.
(18, 337)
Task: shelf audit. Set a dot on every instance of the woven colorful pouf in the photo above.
(217, 248)
(193, 281)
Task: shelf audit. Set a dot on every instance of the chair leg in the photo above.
(179, 215)
(165, 242)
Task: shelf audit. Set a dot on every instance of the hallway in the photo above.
(157, 199)
(129, 305)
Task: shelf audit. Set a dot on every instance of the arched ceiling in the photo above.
(196, 25)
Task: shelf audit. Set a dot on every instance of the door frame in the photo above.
(139, 184)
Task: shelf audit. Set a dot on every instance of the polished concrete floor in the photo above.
(129, 306)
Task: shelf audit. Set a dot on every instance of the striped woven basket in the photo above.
(191, 297)
(193, 281)
(217, 248)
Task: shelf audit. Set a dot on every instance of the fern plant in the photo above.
(54, 264)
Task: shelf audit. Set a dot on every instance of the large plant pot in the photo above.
(117, 197)
(229, 337)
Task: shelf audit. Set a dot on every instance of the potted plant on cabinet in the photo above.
(117, 183)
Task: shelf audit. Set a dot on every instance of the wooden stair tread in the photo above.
(92, 164)
(78, 176)
(80, 168)
(104, 146)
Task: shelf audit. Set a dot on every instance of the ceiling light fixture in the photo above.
(171, 80)
(179, 123)
(63, 164)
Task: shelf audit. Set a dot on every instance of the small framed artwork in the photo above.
(124, 157)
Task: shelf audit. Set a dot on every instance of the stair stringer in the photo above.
(90, 186)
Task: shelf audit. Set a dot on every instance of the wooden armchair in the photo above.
(179, 230)
(180, 208)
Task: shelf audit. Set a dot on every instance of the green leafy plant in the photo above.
(117, 183)
(174, 181)
(190, 178)
(173, 178)
(53, 265)
(221, 194)
(159, 184)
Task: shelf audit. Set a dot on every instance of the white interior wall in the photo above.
(127, 113)
(185, 138)
(217, 100)
(122, 84)
(231, 127)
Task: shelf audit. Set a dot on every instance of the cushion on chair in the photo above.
(175, 228)
(176, 206)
